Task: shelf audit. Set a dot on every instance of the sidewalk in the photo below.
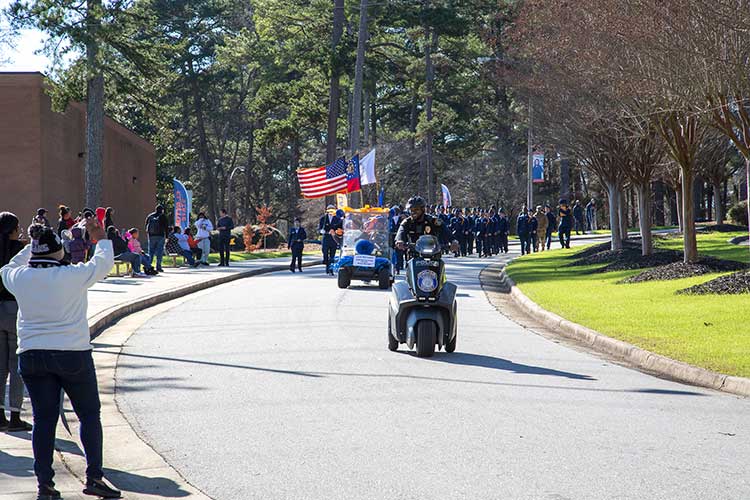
(110, 300)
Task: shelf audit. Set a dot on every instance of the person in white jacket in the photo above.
(203, 236)
(54, 348)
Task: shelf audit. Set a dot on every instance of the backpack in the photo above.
(153, 225)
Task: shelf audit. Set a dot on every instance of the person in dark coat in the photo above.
(503, 230)
(470, 227)
(480, 230)
(296, 243)
(394, 222)
(327, 226)
(578, 218)
(533, 226)
(225, 224)
(491, 243)
(566, 223)
(157, 230)
(523, 228)
(551, 225)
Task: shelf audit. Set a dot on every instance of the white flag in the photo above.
(367, 169)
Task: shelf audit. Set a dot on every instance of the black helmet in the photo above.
(416, 201)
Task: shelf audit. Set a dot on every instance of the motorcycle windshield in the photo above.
(427, 246)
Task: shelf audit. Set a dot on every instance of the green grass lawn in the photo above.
(708, 331)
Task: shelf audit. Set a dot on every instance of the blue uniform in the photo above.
(326, 224)
(296, 243)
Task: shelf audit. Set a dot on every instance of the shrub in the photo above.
(738, 213)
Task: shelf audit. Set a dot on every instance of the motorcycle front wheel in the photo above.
(426, 333)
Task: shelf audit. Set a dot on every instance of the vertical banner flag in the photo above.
(537, 169)
(181, 203)
(381, 195)
(341, 201)
(367, 169)
(446, 196)
(353, 183)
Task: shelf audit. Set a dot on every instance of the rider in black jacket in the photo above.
(417, 224)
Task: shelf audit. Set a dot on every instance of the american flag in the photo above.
(322, 181)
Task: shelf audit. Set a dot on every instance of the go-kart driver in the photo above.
(417, 224)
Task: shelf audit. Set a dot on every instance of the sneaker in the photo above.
(47, 492)
(205, 264)
(291, 269)
(138, 275)
(159, 270)
(98, 488)
(19, 426)
(195, 265)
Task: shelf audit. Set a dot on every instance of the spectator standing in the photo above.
(522, 228)
(296, 243)
(66, 221)
(225, 225)
(157, 229)
(566, 223)
(541, 229)
(533, 227)
(551, 225)
(55, 350)
(41, 217)
(203, 228)
(108, 220)
(578, 217)
(78, 247)
(591, 215)
(10, 245)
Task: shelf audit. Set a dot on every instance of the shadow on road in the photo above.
(468, 359)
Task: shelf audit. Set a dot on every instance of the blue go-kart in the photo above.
(365, 253)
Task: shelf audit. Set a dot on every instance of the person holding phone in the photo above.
(54, 350)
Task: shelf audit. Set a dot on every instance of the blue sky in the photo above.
(22, 58)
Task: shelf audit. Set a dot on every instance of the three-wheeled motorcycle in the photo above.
(365, 253)
(422, 309)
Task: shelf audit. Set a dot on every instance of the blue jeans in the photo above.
(188, 254)
(155, 248)
(45, 373)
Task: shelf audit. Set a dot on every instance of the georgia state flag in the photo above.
(352, 175)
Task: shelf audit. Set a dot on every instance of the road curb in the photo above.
(103, 319)
(637, 357)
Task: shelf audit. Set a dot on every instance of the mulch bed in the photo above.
(679, 270)
(725, 228)
(732, 284)
(626, 259)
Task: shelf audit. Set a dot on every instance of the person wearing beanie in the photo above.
(41, 217)
(10, 245)
(54, 347)
(65, 221)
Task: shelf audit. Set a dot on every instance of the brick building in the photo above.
(42, 157)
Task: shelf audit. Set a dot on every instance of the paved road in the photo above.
(282, 387)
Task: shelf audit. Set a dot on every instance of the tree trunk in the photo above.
(659, 212)
(678, 208)
(613, 198)
(249, 170)
(565, 178)
(334, 90)
(94, 110)
(623, 215)
(688, 216)
(366, 119)
(644, 218)
(208, 171)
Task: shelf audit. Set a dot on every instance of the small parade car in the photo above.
(365, 253)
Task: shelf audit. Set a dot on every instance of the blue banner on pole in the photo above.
(537, 167)
(381, 197)
(181, 205)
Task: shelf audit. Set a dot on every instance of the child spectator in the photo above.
(78, 246)
(41, 217)
(122, 252)
(197, 252)
(134, 245)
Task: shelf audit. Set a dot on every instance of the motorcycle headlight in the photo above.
(427, 281)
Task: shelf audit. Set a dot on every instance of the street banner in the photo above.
(341, 201)
(367, 169)
(446, 196)
(181, 205)
(352, 176)
(381, 196)
(537, 169)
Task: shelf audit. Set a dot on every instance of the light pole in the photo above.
(229, 189)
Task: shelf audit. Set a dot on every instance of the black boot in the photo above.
(47, 492)
(98, 488)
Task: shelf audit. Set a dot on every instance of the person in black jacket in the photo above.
(578, 218)
(503, 230)
(296, 243)
(157, 229)
(566, 223)
(417, 224)
(533, 226)
(523, 228)
(327, 227)
(551, 225)
(225, 224)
